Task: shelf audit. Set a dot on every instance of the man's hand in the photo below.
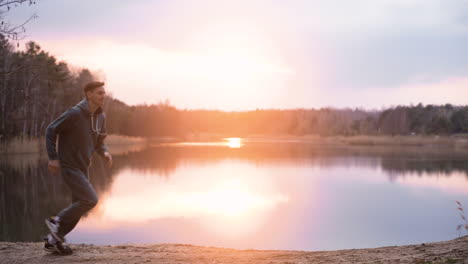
(54, 166)
(108, 158)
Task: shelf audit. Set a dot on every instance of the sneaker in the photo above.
(53, 226)
(57, 248)
(49, 247)
(63, 249)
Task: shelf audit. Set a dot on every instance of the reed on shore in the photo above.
(26, 145)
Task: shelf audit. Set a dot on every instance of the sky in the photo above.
(256, 54)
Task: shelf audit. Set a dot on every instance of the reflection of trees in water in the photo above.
(402, 167)
(100, 176)
(164, 159)
(28, 193)
(27, 196)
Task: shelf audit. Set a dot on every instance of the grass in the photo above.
(113, 140)
(24, 145)
(21, 145)
(448, 141)
(464, 224)
(123, 144)
(454, 141)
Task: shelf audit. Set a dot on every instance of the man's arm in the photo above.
(103, 151)
(101, 148)
(62, 123)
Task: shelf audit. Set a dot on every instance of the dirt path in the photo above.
(453, 251)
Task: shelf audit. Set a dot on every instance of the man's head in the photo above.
(95, 92)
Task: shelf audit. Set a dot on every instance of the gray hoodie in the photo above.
(80, 134)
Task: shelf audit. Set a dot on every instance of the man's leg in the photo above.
(84, 198)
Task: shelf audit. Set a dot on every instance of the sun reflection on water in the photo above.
(234, 142)
(227, 202)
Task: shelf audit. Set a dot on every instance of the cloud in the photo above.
(452, 90)
(138, 73)
(370, 15)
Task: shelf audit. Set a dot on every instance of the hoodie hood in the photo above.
(84, 106)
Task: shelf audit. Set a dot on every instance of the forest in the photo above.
(35, 88)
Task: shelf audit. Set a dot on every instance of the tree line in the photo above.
(35, 88)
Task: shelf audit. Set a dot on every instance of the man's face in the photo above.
(97, 96)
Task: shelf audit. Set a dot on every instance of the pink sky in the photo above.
(245, 55)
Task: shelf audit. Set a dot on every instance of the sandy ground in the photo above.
(453, 251)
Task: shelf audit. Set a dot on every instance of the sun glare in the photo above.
(234, 142)
(233, 64)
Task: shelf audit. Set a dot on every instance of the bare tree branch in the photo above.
(6, 3)
(8, 30)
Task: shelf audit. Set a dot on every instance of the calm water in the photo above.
(262, 195)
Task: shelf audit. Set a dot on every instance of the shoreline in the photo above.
(452, 251)
(122, 144)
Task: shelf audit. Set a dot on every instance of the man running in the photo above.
(81, 131)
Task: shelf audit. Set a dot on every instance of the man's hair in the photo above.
(89, 87)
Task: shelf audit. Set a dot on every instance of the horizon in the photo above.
(382, 108)
(240, 56)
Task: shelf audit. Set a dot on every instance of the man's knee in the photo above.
(90, 203)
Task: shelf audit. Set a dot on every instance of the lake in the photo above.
(245, 194)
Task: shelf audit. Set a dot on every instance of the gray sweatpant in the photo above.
(84, 198)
